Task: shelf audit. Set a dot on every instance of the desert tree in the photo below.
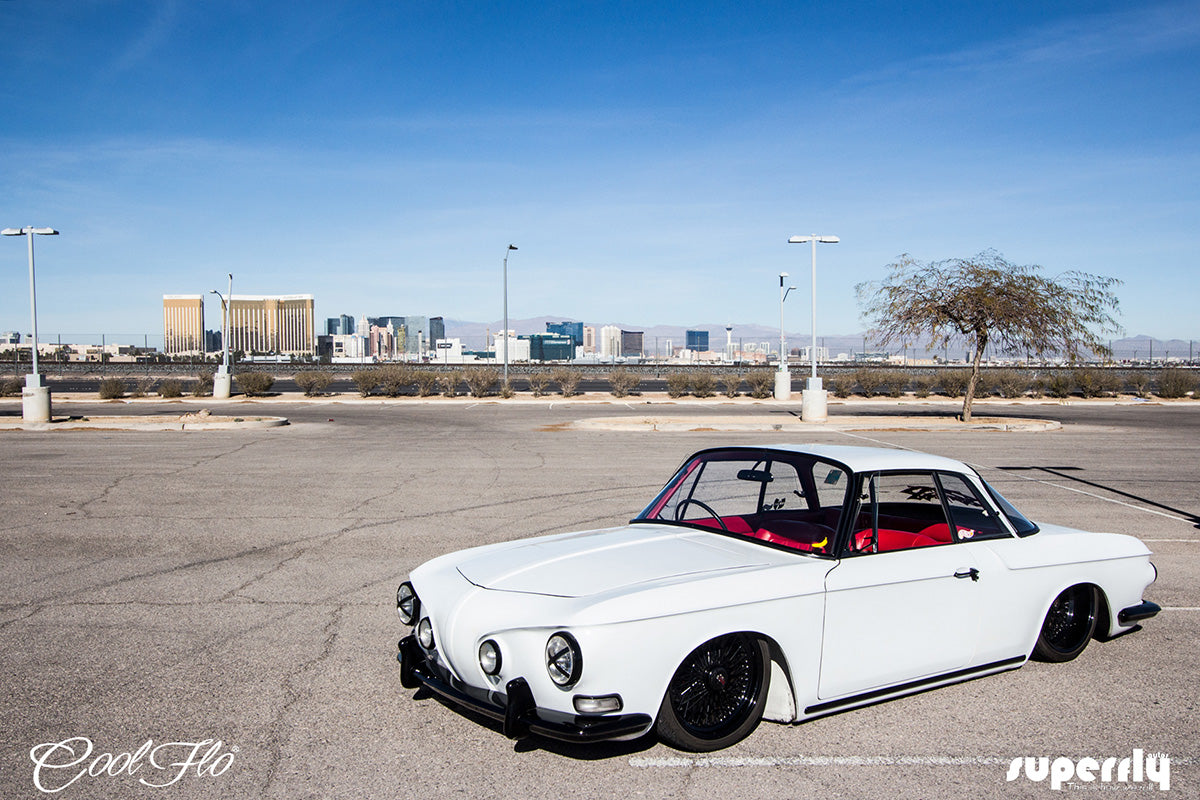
(987, 300)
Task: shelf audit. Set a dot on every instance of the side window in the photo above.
(831, 484)
(972, 518)
(899, 511)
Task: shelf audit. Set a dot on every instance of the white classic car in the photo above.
(781, 582)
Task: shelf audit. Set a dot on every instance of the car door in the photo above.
(906, 608)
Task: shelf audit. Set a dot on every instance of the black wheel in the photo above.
(1069, 625)
(717, 695)
(690, 502)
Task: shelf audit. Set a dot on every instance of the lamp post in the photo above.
(783, 378)
(814, 406)
(223, 380)
(504, 333)
(35, 398)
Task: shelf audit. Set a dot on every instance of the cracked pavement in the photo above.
(238, 585)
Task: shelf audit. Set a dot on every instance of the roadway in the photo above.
(240, 586)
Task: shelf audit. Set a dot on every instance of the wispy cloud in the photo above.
(1120, 35)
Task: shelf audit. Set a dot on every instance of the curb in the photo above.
(146, 424)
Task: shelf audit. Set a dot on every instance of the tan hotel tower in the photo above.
(258, 324)
(272, 324)
(183, 323)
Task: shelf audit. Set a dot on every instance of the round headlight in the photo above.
(425, 633)
(407, 604)
(489, 658)
(564, 662)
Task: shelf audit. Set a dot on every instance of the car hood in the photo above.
(593, 562)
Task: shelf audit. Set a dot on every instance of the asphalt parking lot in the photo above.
(239, 586)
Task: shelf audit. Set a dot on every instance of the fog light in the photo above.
(489, 658)
(607, 704)
(425, 633)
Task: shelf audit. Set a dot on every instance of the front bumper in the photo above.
(516, 708)
(1143, 610)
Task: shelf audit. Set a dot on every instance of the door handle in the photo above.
(971, 573)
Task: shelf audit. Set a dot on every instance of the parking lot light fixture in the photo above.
(223, 380)
(814, 405)
(504, 333)
(35, 397)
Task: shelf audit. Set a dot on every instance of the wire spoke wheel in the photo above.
(716, 696)
(1069, 625)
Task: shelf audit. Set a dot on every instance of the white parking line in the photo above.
(1039, 480)
(834, 761)
(1181, 608)
(818, 761)
(1186, 541)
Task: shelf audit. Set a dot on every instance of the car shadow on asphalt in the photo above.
(1062, 472)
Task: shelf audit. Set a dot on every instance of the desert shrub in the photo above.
(365, 380)
(567, 380)
(1138, 382)
(761, 383)
(11, 387)
(313, 382)
(112, 389)
(394, 379)
(677, 384)
(1008, 383)
(954, 381)
(623, 382)
(704, 384)
(1175, 383)
(923, 385)
(426, 382)
(1061, 383)
(892, 382)
(1037, 386)
(869, 380)
(142, 387)
(448, 383)
(481, 381)
(1096, 382)
(254, 383)
(538, 381)
(730, 384)
(170, 387)
(839, 385)
(204, 385)
(507, 391)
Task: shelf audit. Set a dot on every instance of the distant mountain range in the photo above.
(474, 334)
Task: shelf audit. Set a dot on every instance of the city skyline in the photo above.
(650, 162)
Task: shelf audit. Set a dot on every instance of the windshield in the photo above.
(788, 500)
(1020, 523)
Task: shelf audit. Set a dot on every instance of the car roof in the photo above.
(868, 459)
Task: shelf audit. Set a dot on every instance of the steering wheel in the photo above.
(679, 512)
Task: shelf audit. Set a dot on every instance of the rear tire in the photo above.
(1069, 625)
(717, 696)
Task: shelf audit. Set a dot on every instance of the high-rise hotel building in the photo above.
(183, 323)
(258, 324)
(272, 324)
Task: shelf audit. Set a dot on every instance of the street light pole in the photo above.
(783, 378)
(35, 398)
(504, 334)
(223, 380)
(814, 403)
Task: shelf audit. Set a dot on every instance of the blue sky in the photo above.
(649, 159)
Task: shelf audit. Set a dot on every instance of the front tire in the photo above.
(1069, 625)
(716, 697)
